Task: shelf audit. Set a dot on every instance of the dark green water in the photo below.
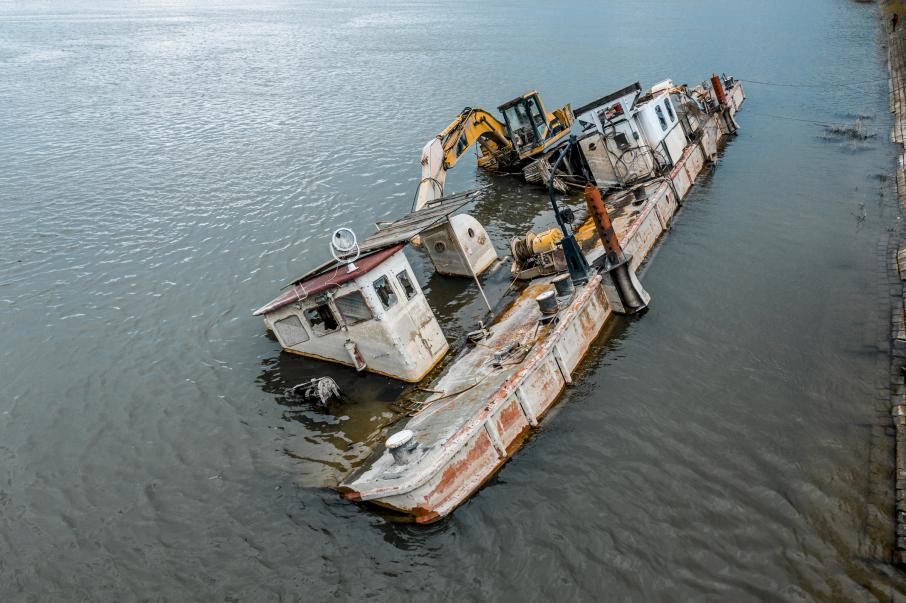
(165, 167)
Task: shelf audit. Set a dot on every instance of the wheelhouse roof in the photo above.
(328, 279)
(636, 87)
(518, 99)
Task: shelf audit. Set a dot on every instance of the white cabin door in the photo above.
(424, 324)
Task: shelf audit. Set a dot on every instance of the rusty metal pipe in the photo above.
(718, 89)
(598, 211)
(721, 94)
(620, 278)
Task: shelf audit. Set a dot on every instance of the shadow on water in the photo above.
(409, 536)
(330, 440)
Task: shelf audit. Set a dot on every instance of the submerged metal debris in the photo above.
(855, 130)
(319, 389)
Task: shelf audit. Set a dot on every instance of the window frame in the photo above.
(669, 106)
(346, 319)
(539, 120)
(660, 116)
(396, 295)
(319, 331)
(405, 273)
(302, 324)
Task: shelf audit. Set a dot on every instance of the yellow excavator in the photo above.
(526, 132)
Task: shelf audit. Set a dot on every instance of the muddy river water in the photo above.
(166, 166)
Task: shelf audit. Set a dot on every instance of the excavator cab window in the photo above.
(538, 116)
(526, 123)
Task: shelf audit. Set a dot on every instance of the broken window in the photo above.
(291, 331)
(385, 292)
(538, 116)
(603, 117)
(660, 117)
(321, 319)
(520, 123)
(669, 108)
(406, 283)
(353, 308)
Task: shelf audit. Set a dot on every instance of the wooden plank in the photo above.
(412, 224)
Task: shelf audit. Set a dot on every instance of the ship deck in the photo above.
(459, 400)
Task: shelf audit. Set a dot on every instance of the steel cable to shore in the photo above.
(874, 131)
(805, 85)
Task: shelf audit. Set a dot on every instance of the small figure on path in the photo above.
(894, 20)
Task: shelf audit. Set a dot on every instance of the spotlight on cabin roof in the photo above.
(345, 248)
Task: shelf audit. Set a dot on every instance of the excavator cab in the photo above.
(529, 127)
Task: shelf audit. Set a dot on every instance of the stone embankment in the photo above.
(896, 48)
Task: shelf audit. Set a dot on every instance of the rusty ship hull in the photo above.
(489, 399)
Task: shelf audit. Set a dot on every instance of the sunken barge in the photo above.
(636, 158)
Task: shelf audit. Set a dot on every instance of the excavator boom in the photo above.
(473, 126)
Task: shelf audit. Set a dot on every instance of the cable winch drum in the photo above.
(523, 248)
(520, 249)
(547, 303)
(563, 285)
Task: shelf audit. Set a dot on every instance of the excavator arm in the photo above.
(473, 126)
(443, 151)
